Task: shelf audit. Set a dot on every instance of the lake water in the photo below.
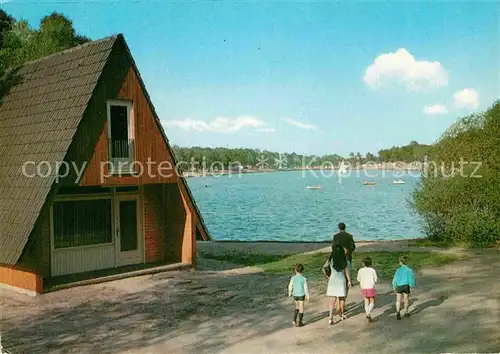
(277, 206)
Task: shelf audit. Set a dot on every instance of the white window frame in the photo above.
(122, 166)
(76, 198)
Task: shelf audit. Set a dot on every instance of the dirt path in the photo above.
(240, 310)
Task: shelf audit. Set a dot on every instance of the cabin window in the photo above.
(121, 136)
(82, 223)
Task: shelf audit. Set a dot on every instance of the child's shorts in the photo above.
(299, 298)
(403, 289)
(368, 292)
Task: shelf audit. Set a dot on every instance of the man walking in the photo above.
(346, 240)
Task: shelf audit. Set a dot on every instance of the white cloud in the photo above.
(435, 109)
(218, 125)
(298, 124)
(466, 98)
(401, 67)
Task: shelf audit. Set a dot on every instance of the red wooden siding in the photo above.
(153, 236)
(149, 144)
(189, 239)
(34, 263)
(21, 279)
(169, 231)
(178, 229)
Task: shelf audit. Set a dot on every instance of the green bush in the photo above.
(464, 206)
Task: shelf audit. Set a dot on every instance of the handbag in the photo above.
(327, 269)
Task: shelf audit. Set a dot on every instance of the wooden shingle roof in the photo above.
(39, 116)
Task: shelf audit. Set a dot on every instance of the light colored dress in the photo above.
(337, 285)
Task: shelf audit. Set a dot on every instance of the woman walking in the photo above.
(339, 280)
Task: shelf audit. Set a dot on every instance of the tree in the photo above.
(359, 157)
(6, 22)
(408, 153)
(455, 203)
(20, 43)
(57, 33)
(370, 157)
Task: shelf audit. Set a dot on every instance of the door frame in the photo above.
(130, 257)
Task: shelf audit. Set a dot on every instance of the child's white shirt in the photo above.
(367, 277)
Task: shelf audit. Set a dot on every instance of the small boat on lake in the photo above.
(399, 181)
(368, 183)
(342, 169)
(314, 187)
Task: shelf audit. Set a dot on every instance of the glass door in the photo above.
(128, 230)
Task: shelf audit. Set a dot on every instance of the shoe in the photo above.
(300, 324)
(343, 317)
(398, 316)
(330, 321)
(294, 323)
(369, 317)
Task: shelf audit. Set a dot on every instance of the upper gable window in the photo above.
(121, 135)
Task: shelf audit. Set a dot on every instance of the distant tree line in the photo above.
(251, 158)
(204, 157)
(408, 153)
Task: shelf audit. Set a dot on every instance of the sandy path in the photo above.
(240, 310)
(455, 309)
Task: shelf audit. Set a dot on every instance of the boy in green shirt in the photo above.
(402, 282)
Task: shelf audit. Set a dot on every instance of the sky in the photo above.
(305, 77)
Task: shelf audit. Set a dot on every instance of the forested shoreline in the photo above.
(200, 158)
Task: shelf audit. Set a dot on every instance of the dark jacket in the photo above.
(346, 240)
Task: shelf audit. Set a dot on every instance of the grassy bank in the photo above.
(424, 242)
(385, 263)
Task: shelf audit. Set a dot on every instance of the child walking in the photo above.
(402, 282)
(367, 277)
(298, 288)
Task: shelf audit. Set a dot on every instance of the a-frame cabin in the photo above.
(88, 180)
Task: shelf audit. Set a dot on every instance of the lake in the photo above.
(277, 206)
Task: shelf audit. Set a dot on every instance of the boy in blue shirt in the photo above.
(402, 282)
(298, 288)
